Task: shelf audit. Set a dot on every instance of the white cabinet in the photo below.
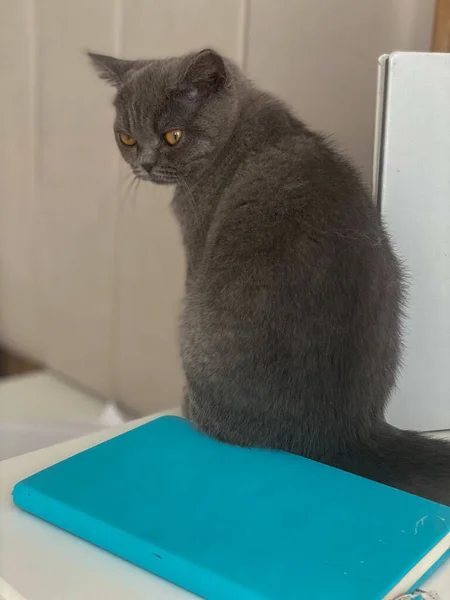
(412, 187)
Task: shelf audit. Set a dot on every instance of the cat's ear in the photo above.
(204, 75)
(113, 70)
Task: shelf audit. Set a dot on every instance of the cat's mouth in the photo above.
(158, 175)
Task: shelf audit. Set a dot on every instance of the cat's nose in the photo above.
(147, 166)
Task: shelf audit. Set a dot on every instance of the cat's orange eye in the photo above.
(127, 139)
(173, 137)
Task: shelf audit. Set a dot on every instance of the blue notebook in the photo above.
(231, 523)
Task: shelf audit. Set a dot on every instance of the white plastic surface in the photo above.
(414, 193)
(42, 395)
(40, 409)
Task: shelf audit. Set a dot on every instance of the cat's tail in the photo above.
(405, 460)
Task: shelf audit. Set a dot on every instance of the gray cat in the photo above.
(291, 331)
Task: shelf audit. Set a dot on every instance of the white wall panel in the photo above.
(19, 322)
(75, 192)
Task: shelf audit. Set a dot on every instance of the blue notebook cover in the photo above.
(231, 523)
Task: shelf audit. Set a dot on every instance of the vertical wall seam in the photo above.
(114, 339)
(33, 185)
(244, 31)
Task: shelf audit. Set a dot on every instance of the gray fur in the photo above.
(291, 330)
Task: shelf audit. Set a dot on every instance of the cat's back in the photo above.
(295, 183)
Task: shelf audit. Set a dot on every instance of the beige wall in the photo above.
(91, 274)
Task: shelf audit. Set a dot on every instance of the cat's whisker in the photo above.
(130, 194)
(134, 190)
(127, 188)
(125, 184)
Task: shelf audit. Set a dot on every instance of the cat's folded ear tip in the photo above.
(97, 57)
(210, 51)
(208, 56)
(94, 56)
(111, 69)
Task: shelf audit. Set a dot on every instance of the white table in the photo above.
(41, 409)
(40, 562)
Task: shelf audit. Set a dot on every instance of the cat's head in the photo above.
(172, 116)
